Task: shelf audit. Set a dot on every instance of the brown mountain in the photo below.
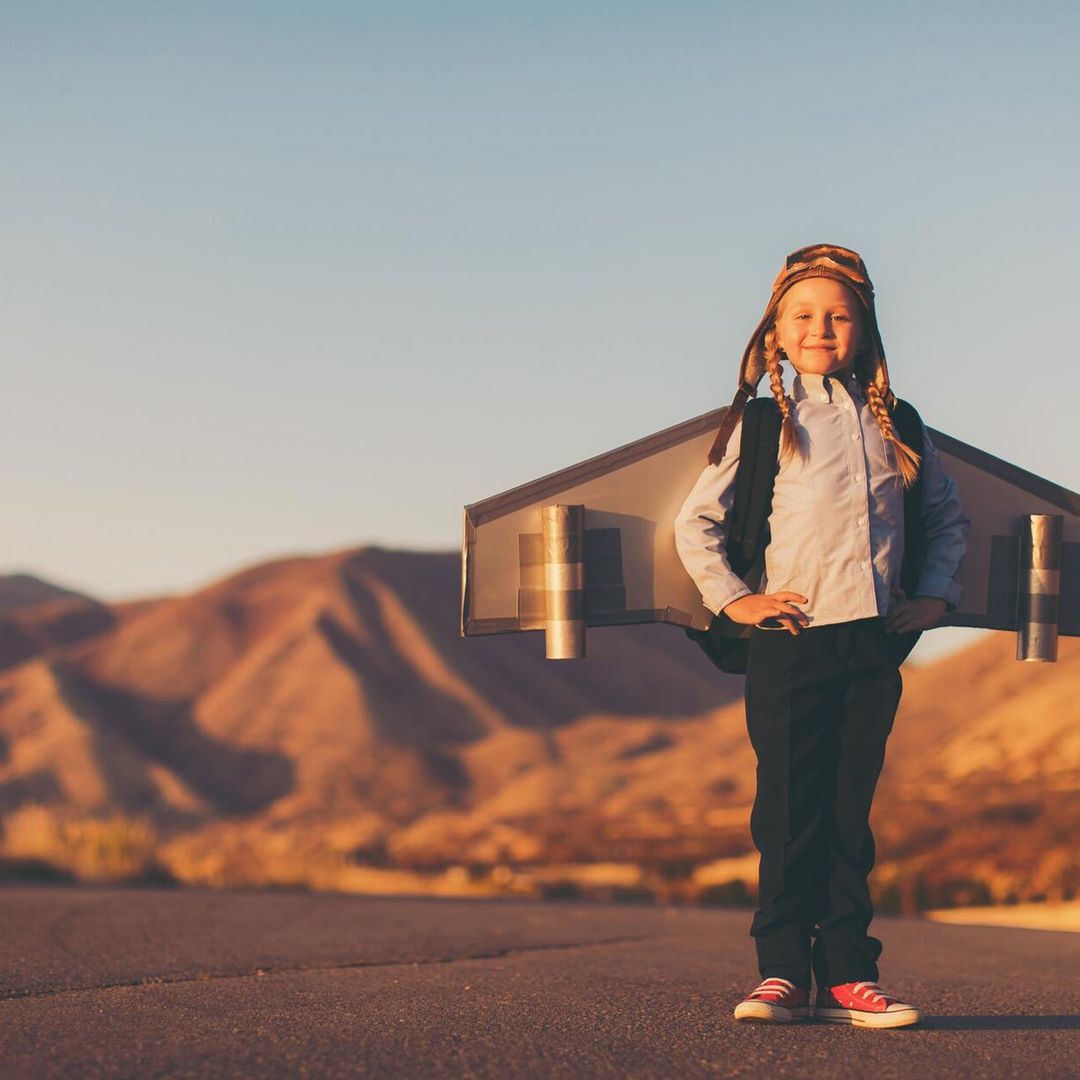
(311, 717)
(20, 590)
(37, 617)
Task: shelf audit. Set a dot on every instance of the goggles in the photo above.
(839, 260)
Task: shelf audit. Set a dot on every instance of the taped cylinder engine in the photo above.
(563, 528)
(1039, 587)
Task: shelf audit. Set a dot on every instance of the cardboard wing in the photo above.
(593, 544)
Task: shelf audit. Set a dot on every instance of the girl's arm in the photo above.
(701, 530)
(945, 528)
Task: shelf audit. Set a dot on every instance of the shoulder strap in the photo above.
(909, 426)
(754, 477)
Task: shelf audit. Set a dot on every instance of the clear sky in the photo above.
(283, 278)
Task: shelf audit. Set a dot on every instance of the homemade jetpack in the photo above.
(594, 545)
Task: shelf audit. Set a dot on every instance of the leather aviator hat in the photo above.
(817, 260)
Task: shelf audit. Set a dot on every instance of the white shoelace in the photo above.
(769, 986)
(872, 988)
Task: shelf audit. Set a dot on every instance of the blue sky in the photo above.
(284, 278)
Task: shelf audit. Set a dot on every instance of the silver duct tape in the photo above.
(563, 533)
(564, 576)
(562, 550)
(603, 547)
(1040, 582)
(1041, 608)
(1040, 541)
(1069, 624)
(1039, 587)
(564, 640)
(564, 605)
(1037, 643)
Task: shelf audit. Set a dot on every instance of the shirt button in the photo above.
(854, 436)
(861, 521)
(862, 566)
(824, 397)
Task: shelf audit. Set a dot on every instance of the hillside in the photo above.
(313, 718)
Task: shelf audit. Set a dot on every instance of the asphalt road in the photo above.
(142, 983)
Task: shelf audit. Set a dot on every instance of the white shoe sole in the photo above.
(862, 1018)
(775, 1014)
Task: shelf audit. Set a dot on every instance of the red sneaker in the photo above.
(864, 1004)
(777, 1000)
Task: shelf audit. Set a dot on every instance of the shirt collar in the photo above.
(809, 385)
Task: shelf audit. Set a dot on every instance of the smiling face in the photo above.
(819, 325)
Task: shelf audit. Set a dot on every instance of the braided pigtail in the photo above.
(790, 443)
(907, 460)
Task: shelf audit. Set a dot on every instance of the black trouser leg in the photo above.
(819, 708)
(843, 949)
(792, 696)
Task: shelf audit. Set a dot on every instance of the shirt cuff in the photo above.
(716, 602)
(943, 588)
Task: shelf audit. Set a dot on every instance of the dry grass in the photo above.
(1049, 916)
(112, 848)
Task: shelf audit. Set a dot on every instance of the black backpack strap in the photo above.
(759, 447)
(767, 454)
(909, 424)
(754, 478)
(744, 480)
(909, 427)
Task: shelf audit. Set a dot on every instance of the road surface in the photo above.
(141, 983)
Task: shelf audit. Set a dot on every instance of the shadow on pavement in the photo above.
(1000, 1023)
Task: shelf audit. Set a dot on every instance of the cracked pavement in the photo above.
(133, 982)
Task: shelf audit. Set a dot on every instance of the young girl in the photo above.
(822, 689)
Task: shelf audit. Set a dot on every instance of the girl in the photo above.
(822, 692)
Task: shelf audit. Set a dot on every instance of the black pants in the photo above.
(819, 709)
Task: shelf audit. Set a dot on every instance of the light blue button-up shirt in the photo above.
(837, 521)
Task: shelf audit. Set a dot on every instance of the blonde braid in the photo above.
(907, 460)
(789, 433)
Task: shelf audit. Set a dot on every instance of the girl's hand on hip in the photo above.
(753, 609)
(921, 613)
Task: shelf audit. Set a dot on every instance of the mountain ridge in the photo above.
(323, 710)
